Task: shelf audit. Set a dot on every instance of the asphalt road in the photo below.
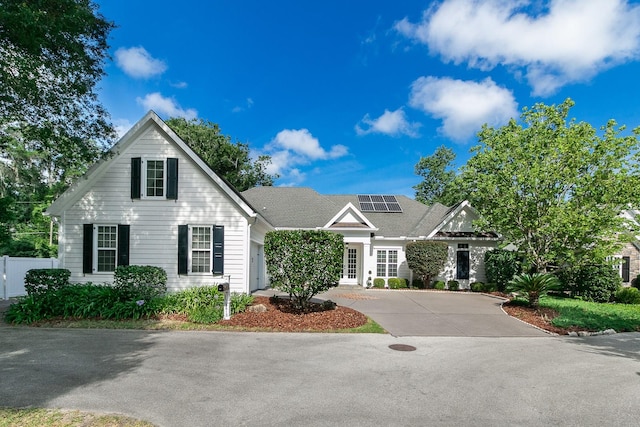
(271, 379)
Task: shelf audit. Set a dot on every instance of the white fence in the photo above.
(13, 270)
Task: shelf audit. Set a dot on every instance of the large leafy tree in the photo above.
(438, 178)
(555, 186)
(52, 126)
(231, 160)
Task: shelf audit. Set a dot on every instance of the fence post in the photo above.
(4, 277)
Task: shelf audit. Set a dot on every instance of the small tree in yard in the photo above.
(426, 258)
(303, 263)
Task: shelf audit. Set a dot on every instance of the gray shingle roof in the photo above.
(300, 207)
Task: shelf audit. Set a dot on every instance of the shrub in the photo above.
(477, 287)
(303, 263)
(418, 283)
(378, 282)
(501, 266)
(204, 304)
(426, 258)
(533, 286)
(440, 285)
(596, 283)
(490, 287)
(41, 280)
(628, 295)
(453, 285)
(397, 283)
(140, 282)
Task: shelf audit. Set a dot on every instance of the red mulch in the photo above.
(283, 318)
(540, 317)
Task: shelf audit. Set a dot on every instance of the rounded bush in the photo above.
(440, 285)
(453, 285)
(477, 287)
(397, 283)
(378, 282)
(628, 295)
(597, 283)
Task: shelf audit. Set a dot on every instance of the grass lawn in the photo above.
(594, 316)
(59, 418)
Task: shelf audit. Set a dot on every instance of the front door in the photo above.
(351, 266)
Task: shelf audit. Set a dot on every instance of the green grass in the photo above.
(593, 316)
(59, 418)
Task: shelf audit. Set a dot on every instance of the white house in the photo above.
(153, 201)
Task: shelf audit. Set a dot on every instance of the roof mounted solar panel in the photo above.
(378, 203)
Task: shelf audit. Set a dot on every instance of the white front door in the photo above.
(351, 266)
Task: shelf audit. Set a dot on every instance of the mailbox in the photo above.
(224, 288)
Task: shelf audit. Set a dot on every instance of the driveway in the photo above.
(273, 379)
(431, 314)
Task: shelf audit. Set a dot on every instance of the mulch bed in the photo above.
(281, 317)
(540, 317)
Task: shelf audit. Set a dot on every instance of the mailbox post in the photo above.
(224, 288)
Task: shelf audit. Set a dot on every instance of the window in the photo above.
(104, 247)
(624, 269)
(201, 249)
(154, 178)
(352, 263)
(387, 263)
(462, 265)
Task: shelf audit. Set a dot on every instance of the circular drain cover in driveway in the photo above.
(402, 347)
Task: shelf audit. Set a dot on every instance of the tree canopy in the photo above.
(231, 160)
(52, 127)
(555, 186)
(438, 184)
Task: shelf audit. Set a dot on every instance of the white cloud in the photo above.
(180, 85)
(238, 109)
(122, 126)
(392, 123)
(463, 106)
(137, 62)
(165, 106)
(563, 42)
(294, 147)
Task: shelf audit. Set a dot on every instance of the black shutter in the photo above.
(462, 265)
(87, 248)
(625, 268)
(172, 179)
(123, 245)
(218, 249)
(183, 248)
(136, 174)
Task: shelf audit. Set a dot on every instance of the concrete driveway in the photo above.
(431, 314)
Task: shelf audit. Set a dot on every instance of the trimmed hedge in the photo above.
(140, 282)
(453, 285)
(397, 283)
(378, 282)
(41, 280)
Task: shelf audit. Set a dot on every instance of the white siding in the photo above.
(154, 223)
(463, 221)
(477, 250)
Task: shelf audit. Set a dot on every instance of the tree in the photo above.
(427, 258)
(52, 127)
(438, 183)
(555, 187)
(501, 266)
(52, 55)
(229, 160)
(303, 263)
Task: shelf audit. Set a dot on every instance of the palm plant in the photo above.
(533, 286)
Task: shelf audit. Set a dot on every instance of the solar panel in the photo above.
(378, 203)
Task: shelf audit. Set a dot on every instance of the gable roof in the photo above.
(151, 119)
(300, 207)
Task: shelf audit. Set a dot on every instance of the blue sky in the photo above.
(346, 96)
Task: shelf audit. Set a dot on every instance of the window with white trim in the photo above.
(154, 178)
(106, 246)
(201, 248)
(387, 263)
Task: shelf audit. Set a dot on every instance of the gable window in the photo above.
(462, 261)
(201, 249)
(154, 178)
(104, 247)
(387, 263)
